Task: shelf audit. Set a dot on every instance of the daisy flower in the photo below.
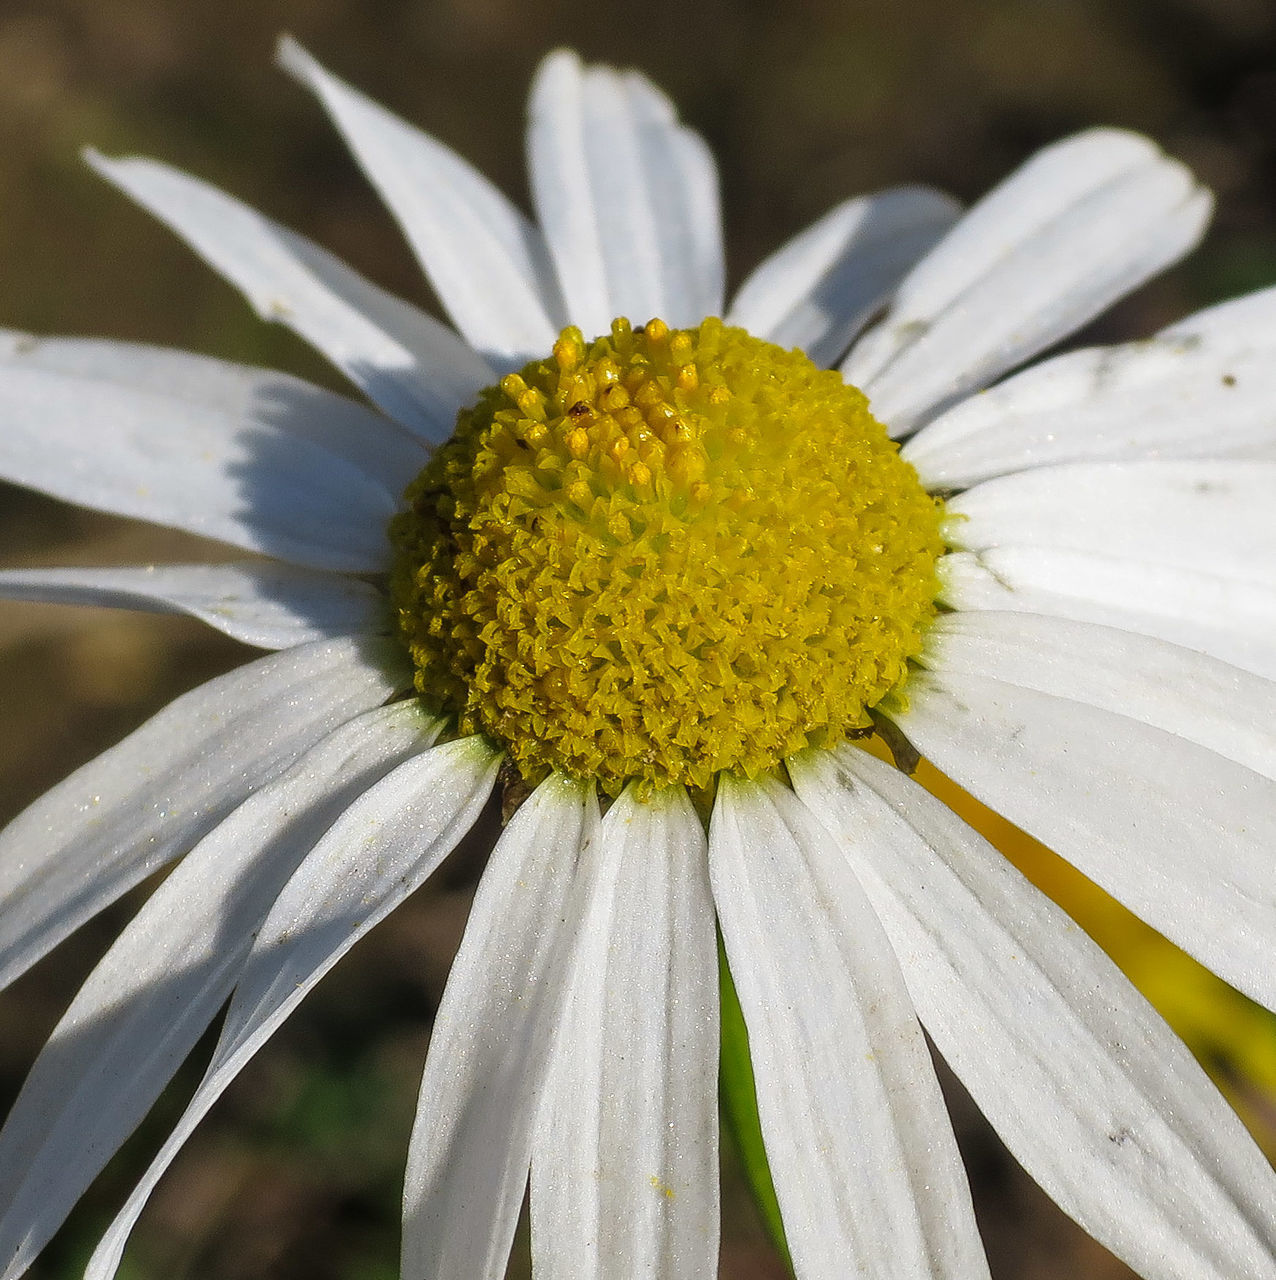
(658, 574)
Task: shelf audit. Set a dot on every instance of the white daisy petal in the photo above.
(820, 289)
(141, 1010)
(863, 1155)
(628, 198)
(1082, 223)
(625, 1157)
(1094, 1095)
(1205, 516)
(409, 364)
(487, 262)
(1180, 835)
(378, 852)
(1211, 703)
(1228, 619)
(492, 1037)
(143, 802)
(257, 459)
(273, 606)
(1202, 389)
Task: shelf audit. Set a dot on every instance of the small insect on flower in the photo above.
(658, 565)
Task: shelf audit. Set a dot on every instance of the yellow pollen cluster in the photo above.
(661, 554)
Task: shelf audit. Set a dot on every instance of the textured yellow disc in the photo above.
(662, 554)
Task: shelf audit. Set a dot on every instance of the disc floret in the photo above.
(664, 553)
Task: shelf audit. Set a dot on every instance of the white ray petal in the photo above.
(627, 196)
(865, 1163)
(1082, 223)
(1094, 1095)
(625, 1157)
(379, 851)
(817, 291)
(1225, 617)
(148, 799)
(1181, 836)
(416, 369)
(1215, 705)
(273, 606)
(1201, 389)
(161, 983)
(485, 259)
(492, 1039)
(257, 459)
(1205, 516)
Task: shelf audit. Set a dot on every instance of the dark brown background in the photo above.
(804, 103)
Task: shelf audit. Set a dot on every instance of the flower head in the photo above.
(664, 556)
(650, 556)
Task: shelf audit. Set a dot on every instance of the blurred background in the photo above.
(297, 1172)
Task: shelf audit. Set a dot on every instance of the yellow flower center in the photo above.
(662, 554)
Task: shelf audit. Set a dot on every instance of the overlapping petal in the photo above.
(1195, 697)
(627, 197)
(163, 980)
(820, 289)
(414, 368)
(261, 460)
(865, 1163)
(492, 1039)
(1203, 388)
(379, 851)
(1094, 1095)
(625, 1158)
(1208, 609)
(1079, 225)
(1180, 835)
(147, 800)
(487, 261)
(1206, 516)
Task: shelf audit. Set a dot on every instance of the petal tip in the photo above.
(291, 57)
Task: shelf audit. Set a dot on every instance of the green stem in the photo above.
(740, 1108)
